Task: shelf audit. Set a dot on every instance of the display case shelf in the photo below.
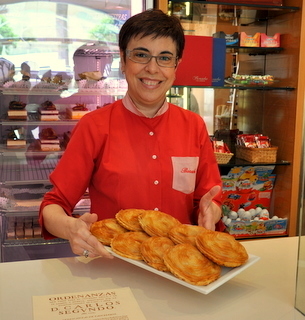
(31, 242)
(243, 163)
(243, 87)
(249, 6)
(253, 50)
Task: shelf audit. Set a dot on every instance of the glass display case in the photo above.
(57, 64)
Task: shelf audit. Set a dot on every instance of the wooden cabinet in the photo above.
(277, 113)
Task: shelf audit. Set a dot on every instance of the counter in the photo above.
(266, 290)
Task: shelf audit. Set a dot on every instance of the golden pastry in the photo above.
(128, 244)
(128, 218)
(222, 248)
(157, 223)
(187, 263)
(105, 230)
(153, 250)
(185, 233)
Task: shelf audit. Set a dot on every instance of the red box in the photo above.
(270, 42)
(248, 187)
(195, 68)
(247, 40)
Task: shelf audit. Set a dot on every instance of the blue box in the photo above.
(231, 39)
(219, 62)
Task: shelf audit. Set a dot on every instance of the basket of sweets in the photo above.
(255, 148)
(222, 152)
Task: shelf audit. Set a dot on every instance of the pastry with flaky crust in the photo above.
(128, 218)
(157, 223)
(185, 233)
(128, 244)
(105, 230)
(153, 250)
(222, 248)
(187, 263)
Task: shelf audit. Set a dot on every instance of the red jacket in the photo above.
(128, 161)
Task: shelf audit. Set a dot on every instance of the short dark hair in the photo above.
(152, 22)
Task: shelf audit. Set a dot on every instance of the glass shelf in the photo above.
(242, 87)
(240, 162)
(237, 13)
(253, 50)
(32, 241)
(282, 9)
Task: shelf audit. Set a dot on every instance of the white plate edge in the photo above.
(201, 289)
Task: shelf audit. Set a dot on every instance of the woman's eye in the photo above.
(141, 55)
(165, 58)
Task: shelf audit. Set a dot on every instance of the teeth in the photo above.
(150, 82)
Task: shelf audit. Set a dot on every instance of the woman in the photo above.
(139, 152)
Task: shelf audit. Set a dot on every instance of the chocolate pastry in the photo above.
(16, 105)
(48, 134)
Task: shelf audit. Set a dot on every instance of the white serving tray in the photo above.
(226, 273)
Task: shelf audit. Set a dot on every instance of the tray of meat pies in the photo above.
(192, 256)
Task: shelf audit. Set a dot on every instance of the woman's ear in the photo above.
(178, 62)
(122, 61)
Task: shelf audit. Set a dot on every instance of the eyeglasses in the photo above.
(163, 60)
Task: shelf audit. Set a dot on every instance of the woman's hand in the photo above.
(82, 241)
(76, 230)
(209, 211)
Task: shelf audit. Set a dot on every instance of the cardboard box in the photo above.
(260, 228)
(231, 39)
(249, 40)
(270, 42)
(248, 187)
(195, 68)
(219, 62)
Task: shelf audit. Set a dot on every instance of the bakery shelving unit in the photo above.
(25, 174)
(276, 110)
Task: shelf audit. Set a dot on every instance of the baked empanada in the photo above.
(105, 230)
(153, 250)
(128, 218)
(185, 233)
(222, 248)
(187, 263)
(128, 244)
(157, 223)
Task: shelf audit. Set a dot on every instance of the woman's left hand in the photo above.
(209, 211)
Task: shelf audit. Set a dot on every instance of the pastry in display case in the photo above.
(48, 111)
(17, 111)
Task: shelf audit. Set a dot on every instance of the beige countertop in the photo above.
(264, 291)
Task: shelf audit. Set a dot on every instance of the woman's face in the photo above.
(148, 83)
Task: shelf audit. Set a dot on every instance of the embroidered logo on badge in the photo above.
(187, 170)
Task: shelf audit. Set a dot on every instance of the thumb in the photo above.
(89, 218)
(209, 196)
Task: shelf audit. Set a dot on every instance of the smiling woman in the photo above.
(140, 152)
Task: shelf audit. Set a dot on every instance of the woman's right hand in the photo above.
(82, 241)
(76, 230)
